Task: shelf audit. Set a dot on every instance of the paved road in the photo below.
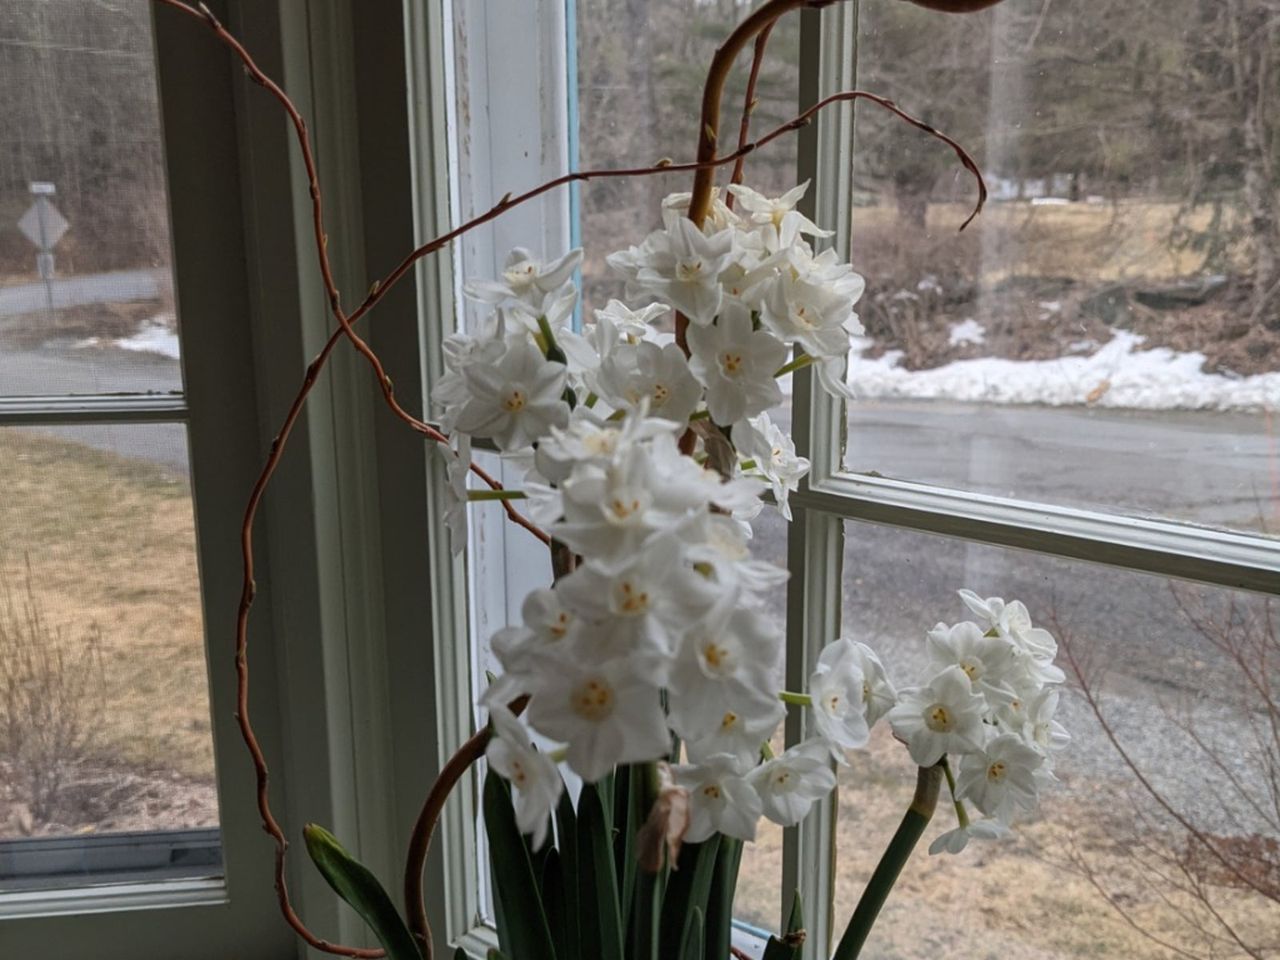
(118, 287)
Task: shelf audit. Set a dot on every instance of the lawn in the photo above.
(111, 544)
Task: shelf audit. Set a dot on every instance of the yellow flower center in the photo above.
(518, 775)
(729, 721)
(622, 509)
(938, 719)
(715, 655)
(631, 599)
(711, 791)
(561, 625)
(593, 700)
(601, 444)
(515, 401)
(996, 772)
(660, 394)
(972, 669)
(690, 270)
(732, 363)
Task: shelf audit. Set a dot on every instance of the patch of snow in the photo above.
(1117, 375)
(1051, 306)
(1050, 202)
(929, 284)
(967, 331)
(156, 336)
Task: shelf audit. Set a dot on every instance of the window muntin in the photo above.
(1090, 340)
(108, 752)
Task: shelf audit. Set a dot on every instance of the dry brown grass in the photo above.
(111, 542)
(1098, 242)
(1022, 899)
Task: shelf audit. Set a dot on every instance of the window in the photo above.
(1033, 420)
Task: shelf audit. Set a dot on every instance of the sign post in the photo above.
(44, 226)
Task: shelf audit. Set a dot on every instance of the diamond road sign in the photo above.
(43, 225)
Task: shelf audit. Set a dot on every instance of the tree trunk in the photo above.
(1254, 30)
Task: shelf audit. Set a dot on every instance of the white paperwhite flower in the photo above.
(1001, 779)
(611, 509)
(458, 457)
(953, 841)
(633, 372)
(790, 784)
(634, 603)
(1012, 621)
(838, 691)
(737, 366)
(637, 324)
(741, 730)
(717, 548)
(516, 400)
(590, 438)
(607, 713)
(684, 270)
(765, 450)
(772, 211)
(725, 665)
(944, 716)
(675, 206)
(809, 314)
(545, 632)
(720, 799)
(1042, 731)
(986, 661)
(532, 774)
(526, 279)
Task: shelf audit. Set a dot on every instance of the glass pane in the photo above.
(105, 742)
(1180, 670)
(86, 299)
(1107, 333)
(640, 68)
(758, 904)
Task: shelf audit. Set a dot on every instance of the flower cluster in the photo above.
(989, 708)
(646, 460)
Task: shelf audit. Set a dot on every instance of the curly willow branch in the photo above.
(470, 751)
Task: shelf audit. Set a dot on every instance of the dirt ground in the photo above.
(1030, 897)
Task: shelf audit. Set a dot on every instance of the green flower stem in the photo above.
(928, 786)
(962, 815)
(748, 465)
(799, 363)
(700, 415)
(796, 699)
(481, 495)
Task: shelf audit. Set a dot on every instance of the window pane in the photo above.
(86, 300)
(105, 742)
(1107, 333)
(640, 69)
(1173, 663)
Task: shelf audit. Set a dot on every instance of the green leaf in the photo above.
(687, 890)
(523, 926)
(790, 945)
(357, 885)
(460, 954)
(553, 899)
(724, 882)
(646, 915)
(567, 846)
(600, 916)
(691, 948)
